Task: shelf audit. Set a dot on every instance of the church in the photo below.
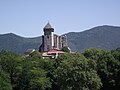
(51, 41)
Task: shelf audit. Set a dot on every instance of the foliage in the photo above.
(33, 77)
(10, 63)
(25, 73)
(116, 54)
(93, 70)
(35, 55)
(65, 49)
(4, 81)
(75, 72)
(107, 66)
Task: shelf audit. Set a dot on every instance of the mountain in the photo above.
(17, 43)
(107, 37)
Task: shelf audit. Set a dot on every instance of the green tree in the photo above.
(25, 73)
(107, 66)
(75, 72)
(33, 77)
(116, 54)
(35, 55)
(5, 83)
(11, 63)
(65, 49)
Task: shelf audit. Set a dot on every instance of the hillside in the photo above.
(107, 37)
(18, 44)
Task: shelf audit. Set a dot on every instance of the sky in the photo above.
(27, 18)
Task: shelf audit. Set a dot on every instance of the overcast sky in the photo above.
(28, 17)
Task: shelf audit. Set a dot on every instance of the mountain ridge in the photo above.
(89, 38)
(98, 37)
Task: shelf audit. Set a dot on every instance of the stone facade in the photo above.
(50, 40)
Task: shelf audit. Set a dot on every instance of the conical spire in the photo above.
(47, 26)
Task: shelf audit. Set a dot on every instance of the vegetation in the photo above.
(77, 73)
(95, 69)
(107, 67)
(5, 81)
(65, 49)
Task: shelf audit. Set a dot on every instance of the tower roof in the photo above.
(47, 26)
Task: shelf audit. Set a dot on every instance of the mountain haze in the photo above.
(107, 37)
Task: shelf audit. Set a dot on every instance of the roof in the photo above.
(47, 26)
(55, 52)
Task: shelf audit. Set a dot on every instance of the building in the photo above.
(51, 41)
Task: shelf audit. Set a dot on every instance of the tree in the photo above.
(35, 55)
(38, 80)
(33, 77)
(75, 72)
(11, 63)
(65, 49)
(5, 83)
(116, 55)
(107, 66)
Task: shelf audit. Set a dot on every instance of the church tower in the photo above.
(47, 38)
